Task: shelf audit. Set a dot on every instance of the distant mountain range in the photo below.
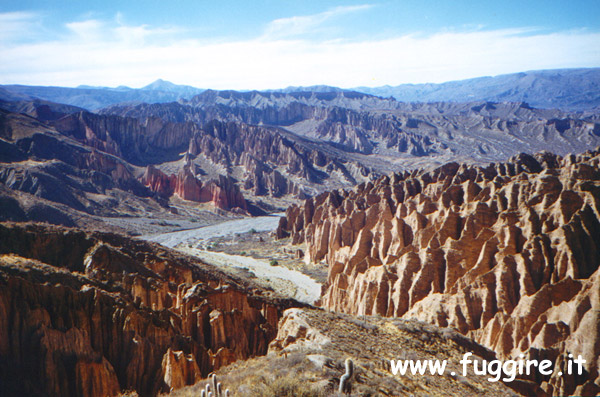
(93, 98)
(565, 89)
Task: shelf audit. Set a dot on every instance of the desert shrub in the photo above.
(274, 262)
(361, 323)
(286, 387)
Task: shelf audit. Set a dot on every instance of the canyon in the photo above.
(92, 314)
(249, 153)
(439, 227)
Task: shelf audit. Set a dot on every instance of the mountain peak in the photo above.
(160, 84)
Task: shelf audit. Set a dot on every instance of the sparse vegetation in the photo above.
(311, 369)
(274, 262)
(285, 387)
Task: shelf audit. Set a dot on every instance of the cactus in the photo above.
(214, 388)
(213, 380)
(345, 386)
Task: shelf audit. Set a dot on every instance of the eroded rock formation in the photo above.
(93, 314)
(355, 122)
(507, 254)
(268, 158)
(222, 193)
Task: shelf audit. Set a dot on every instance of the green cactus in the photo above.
(345, 386)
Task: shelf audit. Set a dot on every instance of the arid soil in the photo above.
(307, 359)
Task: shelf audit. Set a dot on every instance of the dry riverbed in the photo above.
(247, 247)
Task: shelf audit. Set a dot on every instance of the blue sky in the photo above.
(274, 44)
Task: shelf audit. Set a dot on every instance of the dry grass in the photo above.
(370, 342)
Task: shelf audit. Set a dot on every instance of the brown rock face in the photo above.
(222, 192)
(507, 254)
(180, 369)
(158, 181)
(93, 314)
(187, 186)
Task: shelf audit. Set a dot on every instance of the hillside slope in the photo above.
(507, 254)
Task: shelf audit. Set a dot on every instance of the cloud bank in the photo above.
(110, 53)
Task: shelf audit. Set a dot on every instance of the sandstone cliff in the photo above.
(507, 254)
(93, 314)
(222, 193)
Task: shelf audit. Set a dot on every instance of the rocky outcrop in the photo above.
(94, 314)
(180, 369)
(222, 193)
(234, 144)
(342, 119)
(86, 172)
(157, 181)
(278, 145)
(127, 138)
(507, 254)
(187, 186)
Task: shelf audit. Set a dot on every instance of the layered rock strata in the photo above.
(507, 254)
(93, 314)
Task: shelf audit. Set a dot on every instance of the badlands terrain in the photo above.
(150, 237)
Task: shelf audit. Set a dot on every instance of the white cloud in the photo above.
(297, 25)
(89, 30)
(17, 25)
(109, 53)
